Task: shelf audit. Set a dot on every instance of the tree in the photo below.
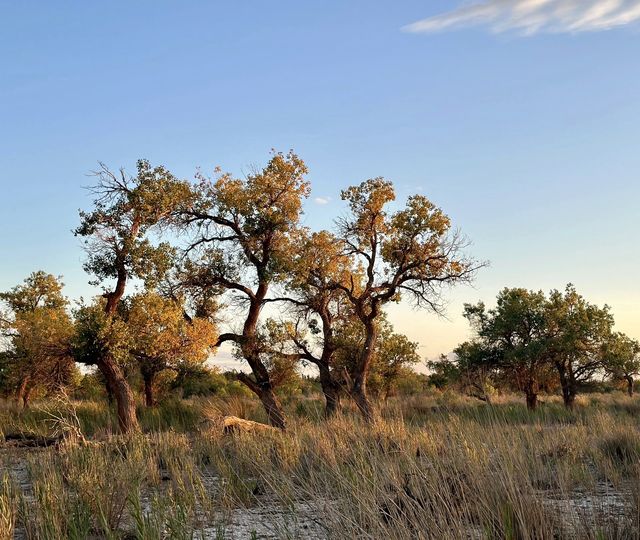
(244, 237)
(621, 359)
(117, 240)
(512, 338)
(38, 328)
(163, 338)
(395, 357)
(476, 368)
(443, 373)
(319, 308)
(577, 331)
(412, 251)
(98, 335)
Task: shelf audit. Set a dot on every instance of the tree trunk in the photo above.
(116, 382)
(264, 391)
(261, 384)
(125, 400)
(361, 399)
(568, 396)
(25, 397)
(110, 392)
(330, 387)
(630, 384)
(274, 410)
(359, 390)
(567, 385)
(149, 398)
(532, 400)
(22, 390)
(331, 391)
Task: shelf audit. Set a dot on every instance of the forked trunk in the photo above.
(125, 400)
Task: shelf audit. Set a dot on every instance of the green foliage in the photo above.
(90, 387)
(412, 251)
(125, 210)
(577, 331)
(621, 357)
(203, 381)
(393, 356)
(98, 335)
(37, 329)
(530, 341)
(512, 339)
(163, 337)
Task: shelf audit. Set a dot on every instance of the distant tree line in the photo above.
(532, 342)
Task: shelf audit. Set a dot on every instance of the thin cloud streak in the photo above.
(530, 17)
(322, 200)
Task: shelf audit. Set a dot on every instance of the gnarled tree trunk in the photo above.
(261, 383)
(149, 398)
(26, 396)
(116, 381)
(272, 406)
(125, 400)
(567, 385)
(359, 390)
(22, 390)
(630, 384)
(330, 389)
(532, 400)
(270, 402)
(568, 396)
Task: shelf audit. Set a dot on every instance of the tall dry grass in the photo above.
(439, 467)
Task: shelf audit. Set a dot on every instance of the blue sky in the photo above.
(520, 118)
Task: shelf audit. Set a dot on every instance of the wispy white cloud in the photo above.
(532, 16)
(322, 200)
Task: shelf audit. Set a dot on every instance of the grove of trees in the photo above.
(188, 266)
(532, 342)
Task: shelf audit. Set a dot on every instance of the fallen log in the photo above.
(30, 440)
(233, 424)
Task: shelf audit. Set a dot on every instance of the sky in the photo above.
(519, 118)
